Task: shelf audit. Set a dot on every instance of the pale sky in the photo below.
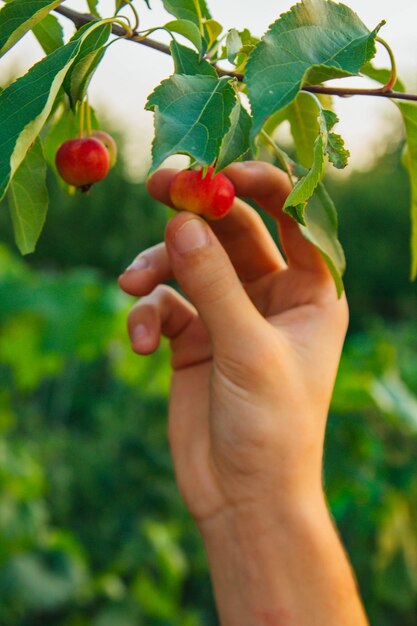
(130, 72)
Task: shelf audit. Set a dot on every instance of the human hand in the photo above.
(255, 350)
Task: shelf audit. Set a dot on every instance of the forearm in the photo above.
(282, 569)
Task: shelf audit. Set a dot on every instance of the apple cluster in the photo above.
(83, 161)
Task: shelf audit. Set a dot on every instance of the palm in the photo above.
(288, 301)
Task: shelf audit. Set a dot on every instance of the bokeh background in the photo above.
(92, 529)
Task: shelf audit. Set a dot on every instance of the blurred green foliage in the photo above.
(375, 227)
(92, 529)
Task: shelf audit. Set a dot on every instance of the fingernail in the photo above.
(141, 263)
(139, 334)
(193, 235)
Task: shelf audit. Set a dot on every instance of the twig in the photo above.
(344, 92)
(280, 156)
(79, 19)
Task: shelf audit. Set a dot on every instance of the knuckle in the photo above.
(255, 222)
(162, 293)
(139, 311)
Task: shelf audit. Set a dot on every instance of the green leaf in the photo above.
(321, 229)
(302, 116)
(92, 6)
(186, 61)
(276, 120)
(119, 5)
(313, 33)
(91, 52)
(192, 10)
(320, 226)
(213, 30)
(28, 199)
(192, 116)
(335, 148)
(248, 40)
(233, 44)
(326, 143)
(49, 33)
(409, 114)
(336, 151)
(296, 202)
(26, 104)
(330, 118)
(188, 30)
(248, 44)
(18, 17)
(236, 142)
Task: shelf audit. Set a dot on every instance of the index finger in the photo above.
(269, 187)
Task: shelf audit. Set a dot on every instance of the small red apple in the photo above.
(210, 195)
(109, 142)
(82, 162)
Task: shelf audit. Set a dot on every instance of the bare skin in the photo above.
(255, 351)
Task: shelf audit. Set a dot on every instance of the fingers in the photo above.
(148, 270)
(269, 187)
(248, 243)
(158, 185)
(163, 312)
(206, 275)
(242, 232)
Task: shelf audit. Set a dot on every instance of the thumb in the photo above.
(206, 275)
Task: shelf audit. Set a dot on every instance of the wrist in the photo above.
(250, 521)
(279, 565)
(247, 549)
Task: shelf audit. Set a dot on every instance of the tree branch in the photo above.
(79, 19)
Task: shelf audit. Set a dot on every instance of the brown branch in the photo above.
(79, 19)
(345, 92)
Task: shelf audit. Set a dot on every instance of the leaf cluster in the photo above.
(206, 111)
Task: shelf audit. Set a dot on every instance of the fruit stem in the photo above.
(280, 156)
(393, 78)
(123, 21)
(88, 110)
(135, 13)
(142, 35)
(82, 118)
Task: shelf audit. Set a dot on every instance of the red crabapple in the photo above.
(82, 162)
(211, 195)
(109, 142)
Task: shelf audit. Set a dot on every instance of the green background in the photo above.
(92, 529)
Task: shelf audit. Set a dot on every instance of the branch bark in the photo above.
(79, 19)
